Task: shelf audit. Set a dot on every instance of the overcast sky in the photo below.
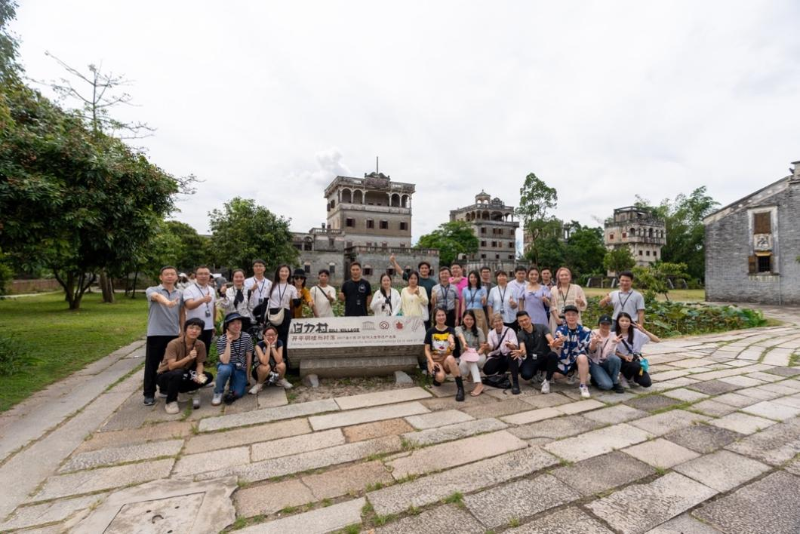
(602, 100)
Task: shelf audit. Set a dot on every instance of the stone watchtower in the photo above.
(639, 230)
(494, 224)
(372, 211)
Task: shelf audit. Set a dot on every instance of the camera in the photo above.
(272, 379)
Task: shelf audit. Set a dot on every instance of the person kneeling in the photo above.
(604, 364)
(268, 366)
(439, 345)
(572, 344)
(502, 341)
(181, 370)
(534, 352)
(235, 349)
(632, 338)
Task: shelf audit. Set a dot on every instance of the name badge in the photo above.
(208, 313)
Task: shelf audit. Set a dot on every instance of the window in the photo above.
(647, 253)
(510, 256)
(483, 230)
(367, 270)
(494, 243)
(655, 253)
(762, 223)
(390, 271)
(624, 235)
(611, 237)
(350, 223)
(511, 244)
(640, 253)
(384, 244)
(483, 256)
(483, 243)
(370, 223)
(764, 264)
(497, 256)
(349, 244)
(307, 268)
(403, 226)
(384, 225)
(402, 245)
(332, 268)
(369, 243)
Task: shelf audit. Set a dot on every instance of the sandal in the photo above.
(477, 390)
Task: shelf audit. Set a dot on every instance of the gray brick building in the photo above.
(495, 227)
(753, 245)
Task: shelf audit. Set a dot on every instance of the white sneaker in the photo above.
(172, 408)
(255, 389)
(624, 382)
(584, 391)
(285, 384)
(545, 387)
(217, 399)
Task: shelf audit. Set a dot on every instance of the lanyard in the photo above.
(280, 295)
(236, 345)
(204, 294)
(473, 292)
(563, 297)
(444, 294)
(502, 293)
(260, 286)
(622, 304)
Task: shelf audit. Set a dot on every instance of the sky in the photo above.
(602, 100)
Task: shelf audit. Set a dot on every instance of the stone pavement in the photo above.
(713, 446)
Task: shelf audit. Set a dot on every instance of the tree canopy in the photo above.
(451, 239)
(618, 260)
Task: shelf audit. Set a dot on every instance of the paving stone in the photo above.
(714, 408)
(778, 388)
(662, 423)
(268, 415)
(735, 399)
(685, 395)
(306, 461)
(714, 387)
(652, 403)
(784, 371)
(297, 444)
(684, 524)
(319, 521)
(741, 381)
(580, 407)
(447, 519)
(615, 398)
(602, 473)
(772, 410)
(246, 404)
(615, 414)
(703, 438)
(562, 427)
(378, 429)
(742, 423)
(164, 431)
(366, 415)
(464, 479)
(379, 398)
(597, 442)
(640, 507)
(722, 470)
(545, 401)
(767, 505)
(246, 436)
(794, 467)
(497, 506)
(118, 455)
(565, 521)
(437, 404)
(453, 432)
(103, 478)
(778, 356)
(793, 401)
(202, 462)
(668, 375)
(272, 397)
(497, 409)
(524, 418)
(775, 445)
(678, 382)
(437, 419)
(447, 455)
(758, 394)
(402, 379)
(689, 364)
(49, 512)
(273, 497)
(661, 453)
(338, 482)
(448, 389)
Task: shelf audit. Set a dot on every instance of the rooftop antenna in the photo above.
(376, 164)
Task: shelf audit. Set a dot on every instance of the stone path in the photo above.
(713, 447)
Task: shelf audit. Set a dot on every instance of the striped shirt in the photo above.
(239, 348)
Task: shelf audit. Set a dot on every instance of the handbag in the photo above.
(276, 318)
(497, 381)
(470, 355)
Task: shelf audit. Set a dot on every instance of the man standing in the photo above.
(259, 283)
(517, 287)
(486, 282)
(444, 296)
(323, 295)
(356, 293)
(200, 300)
(626, 299)
(165, 317)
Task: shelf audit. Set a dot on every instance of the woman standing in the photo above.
(474, 297)
(386, 301)
(234, 299)
(473, 349)
(501, 300)
(537, 298)
(279, 315)
(414, 298)
(303, 294)
(565, 293)
(632, 338)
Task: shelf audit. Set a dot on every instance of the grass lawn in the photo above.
(677, 295)
(60, 342)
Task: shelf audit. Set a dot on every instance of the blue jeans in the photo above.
(606, 373)
(238, 378)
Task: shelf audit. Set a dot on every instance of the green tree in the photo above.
(536, 200)
(191, 249)
(618, 260)
(451, 239)
(656, 278)
(585, 250)
(243, 231)
(8, 44)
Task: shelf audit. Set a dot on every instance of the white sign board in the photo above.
(762, 242)
(374, 331)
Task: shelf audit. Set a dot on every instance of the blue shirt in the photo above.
(472, 298)
(577, 343)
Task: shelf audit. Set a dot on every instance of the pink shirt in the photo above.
(460, 285)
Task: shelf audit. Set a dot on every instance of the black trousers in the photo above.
(527, 368)
(155, 348)
(179, 381)
(206, 337)
(633, 370)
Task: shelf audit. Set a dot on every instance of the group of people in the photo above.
(476, 326)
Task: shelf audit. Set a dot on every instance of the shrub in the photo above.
(13, 356)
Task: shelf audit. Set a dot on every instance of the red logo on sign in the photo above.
(398, 325)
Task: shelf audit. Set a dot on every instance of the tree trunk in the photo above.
(107, 287)
(135, 279)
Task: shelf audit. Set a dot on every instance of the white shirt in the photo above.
(500, 301)
(518, 289)
(205, 311)
(282, 295)
(260, 289)
(379, 306)
(321, 303)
